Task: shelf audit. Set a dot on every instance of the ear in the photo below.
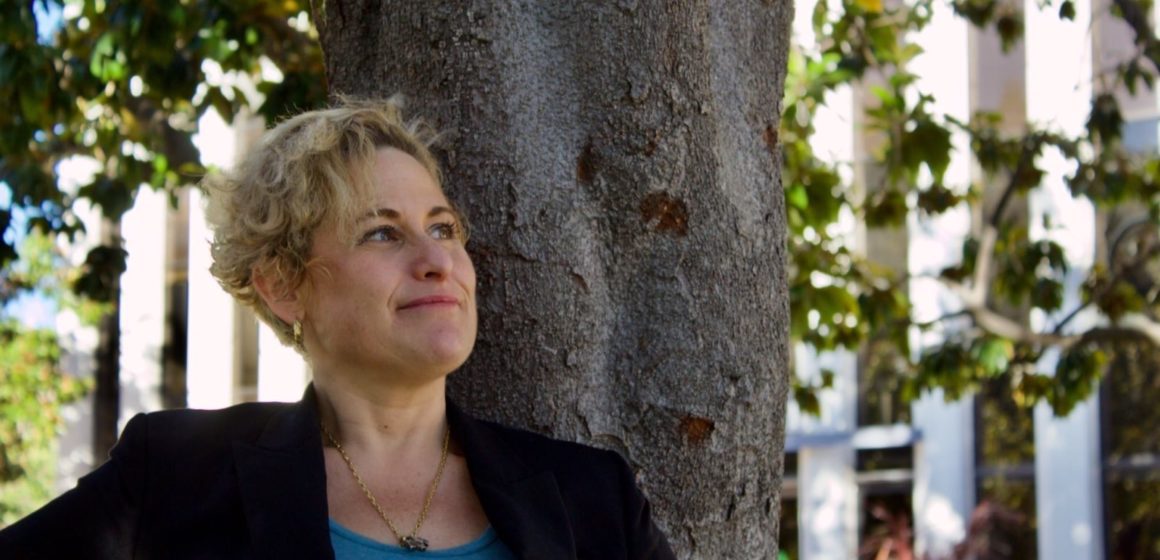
(286, 303)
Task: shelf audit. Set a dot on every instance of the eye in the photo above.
(445, 230)
(380, 234)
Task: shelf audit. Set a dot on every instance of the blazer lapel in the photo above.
(522, 504)
(283, 486)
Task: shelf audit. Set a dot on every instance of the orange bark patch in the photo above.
(584, 168)
(770, 137)
(696, 428)
(665, 213)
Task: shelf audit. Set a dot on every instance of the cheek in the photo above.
(467, 273)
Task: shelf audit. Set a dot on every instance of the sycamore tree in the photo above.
(1003, 273)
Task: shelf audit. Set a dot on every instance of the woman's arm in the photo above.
(98, 518)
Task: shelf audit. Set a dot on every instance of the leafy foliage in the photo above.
(27, 369)
(125, 83)
(32, 389)
(842, 299)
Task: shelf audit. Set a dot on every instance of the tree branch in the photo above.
(1134, 15)
(1025, 156)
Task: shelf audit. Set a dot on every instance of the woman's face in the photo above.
(398, 295)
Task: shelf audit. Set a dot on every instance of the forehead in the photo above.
(390, 179)
(403, 183)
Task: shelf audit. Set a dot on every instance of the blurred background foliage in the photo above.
(32, 390)
(841, 299)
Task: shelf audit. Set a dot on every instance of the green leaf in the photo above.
(160, 171)
(928, 144)
(1047, 294)
(993, 355)
(884, 95)
(807, 400)
(1105, 122)
(7, 250)
(1119, 300)
(979, 12)
(937, 199)
(103, 266)
(796, 196)
(114, 196)
(1009, 25)
(224, 107)
(827, 378)
(1077, 374)
(886, 208)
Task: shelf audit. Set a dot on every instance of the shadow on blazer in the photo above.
(249, 482)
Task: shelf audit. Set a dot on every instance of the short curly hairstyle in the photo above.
(312, 169)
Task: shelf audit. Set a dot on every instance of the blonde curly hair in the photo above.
(310, 170)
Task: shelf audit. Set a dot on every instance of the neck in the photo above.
(375, 416)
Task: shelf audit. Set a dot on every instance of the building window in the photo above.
(1130, 422)
(880, 387)
(886, 483)
(1003, 524)
(245, 355)
(787, 535)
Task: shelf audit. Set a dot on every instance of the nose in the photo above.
(432, 260)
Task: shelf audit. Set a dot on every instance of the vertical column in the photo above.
(943, 473)
(282, 373)
(78, 341)
(828, 492)
(143, 304)
(827, 502)
(944, 460)
(211, 363)
(1068, 496)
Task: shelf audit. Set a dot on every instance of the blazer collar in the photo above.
(522, 503)
(282, 478)
(283, 484)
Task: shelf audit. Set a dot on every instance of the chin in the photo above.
(447, 355)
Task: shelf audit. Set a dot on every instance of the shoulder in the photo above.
(238, 420)
(195, 432)
(588, 479)
(597, 488)
(539, 451)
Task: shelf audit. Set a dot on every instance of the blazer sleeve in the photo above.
(645, 540)
(98, 518)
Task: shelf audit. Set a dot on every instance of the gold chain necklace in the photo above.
(411, 541)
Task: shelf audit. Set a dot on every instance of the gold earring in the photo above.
(297, 333)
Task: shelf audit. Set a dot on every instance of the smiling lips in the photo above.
(429, 301)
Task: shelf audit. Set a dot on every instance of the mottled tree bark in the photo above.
(619, 164)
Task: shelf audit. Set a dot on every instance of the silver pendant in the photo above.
(413, 543)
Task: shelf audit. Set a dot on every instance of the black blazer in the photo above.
(249, 482)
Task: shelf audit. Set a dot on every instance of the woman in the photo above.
(336, 231)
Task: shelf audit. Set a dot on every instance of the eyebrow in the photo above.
(392, 214)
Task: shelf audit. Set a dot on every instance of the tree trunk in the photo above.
(107, 386)
(619, 164)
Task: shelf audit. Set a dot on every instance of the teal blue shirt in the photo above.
(349, 545)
